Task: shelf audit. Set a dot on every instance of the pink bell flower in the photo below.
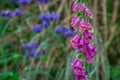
(89, 13)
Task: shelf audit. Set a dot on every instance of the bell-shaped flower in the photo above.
(89, 13)
(75, 6)
(76, 23)
(87, 37)
(81, 8)
(86, 26)
(75, 41)
(90, 53)
(73, 19)
(77, 67)
(81, 45)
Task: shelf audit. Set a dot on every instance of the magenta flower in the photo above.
(86, 26)
(73, 19)
(81, 45)
(81, 78)
(78, 70)
(75, 6)
(89, 13)
(81, 8)
(90, 53)
(76, 23)
(82, 42)
(77, 67)
(87, 37)
(75, 41)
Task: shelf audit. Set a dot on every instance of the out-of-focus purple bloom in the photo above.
(59, 30)
(45, 24)
(25, 2)
(21, 2)
(18, 12)
(7, 14)
(15, 1)
(69, 33)
(44, 17)
(54, 16)
(26, 47)
(37, 28)
(35, 53)
(34, 45)
(44, 1)
(49, 17)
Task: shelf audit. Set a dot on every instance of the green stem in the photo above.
(4, 59)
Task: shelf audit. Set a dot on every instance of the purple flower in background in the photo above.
(26, 47)
(69, 33)
(49, 17)
(54, 16)
(59, 30)
(7, 14)
(21, 2)
(44, 17)
(35, 53)
(45, 24)
(37, 28)
(15, 1)
(25, 2)
(18, 12)
(44, 1)
(34, 45)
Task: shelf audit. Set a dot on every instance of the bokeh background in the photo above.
(55, 62)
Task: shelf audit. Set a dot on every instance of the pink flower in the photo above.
(78, 70)
(90, 53)
(81, 45)
(86, 26)
(75, 41)
(89, 13)
(76, 23)
(81, 78)
(87, 37)
(77, 67)
(73, 19)
(75, 6)
(81, 8)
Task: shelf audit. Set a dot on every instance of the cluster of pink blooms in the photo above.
(82, 42)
